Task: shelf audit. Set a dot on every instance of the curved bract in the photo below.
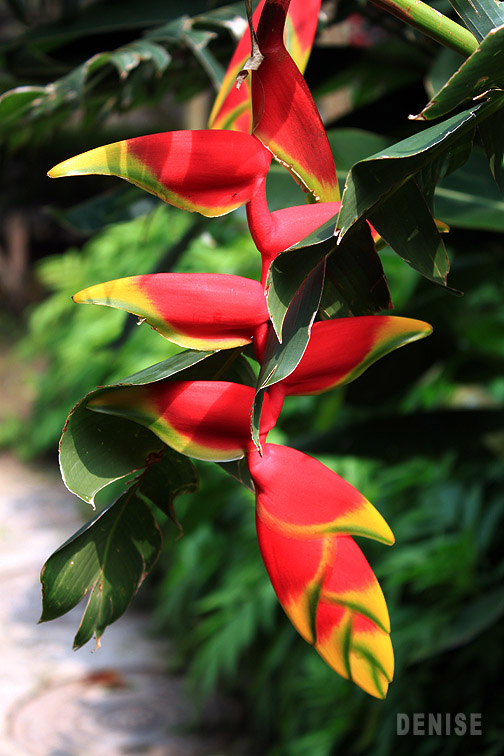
(207, 420)
(208, 172)
(285, 117)
(232, 108)
(194, 310)
(304, 515)
(341, 350)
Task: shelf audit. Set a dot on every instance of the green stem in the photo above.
(432, 23)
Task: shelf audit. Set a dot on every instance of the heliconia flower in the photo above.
(285, 117)
(194, 310)
(207, 420)
(305, 515)
(232, 107)
(340, 350)
(209, 172)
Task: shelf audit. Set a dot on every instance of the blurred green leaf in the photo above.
(117, 206)
(469, 197)
(106, 560)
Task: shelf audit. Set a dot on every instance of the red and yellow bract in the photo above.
(305, 515)
(341, 350)
(209, 172)
(194, 310)
(285, 117)
(232, 107)
(207, 420)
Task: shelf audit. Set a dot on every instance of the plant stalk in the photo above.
(432, 23)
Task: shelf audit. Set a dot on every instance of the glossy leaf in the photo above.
(285, 117)
(341, 350)
(479, 74)
(207, 420)
(287, 274)
(480, 16)
(280, 358)
(106, 561)
(194, 310)
(209, 172)
(380, 179)
(305, 514)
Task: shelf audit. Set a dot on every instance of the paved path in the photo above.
(57, 702)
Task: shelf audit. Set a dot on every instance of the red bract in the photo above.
(275, 232)
(285, 117)
(341, 350)
(209, 172)
(195, 310)
(204, 419)
(305, 515)
(232, 107)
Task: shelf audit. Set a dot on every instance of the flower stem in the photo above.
(432, 23)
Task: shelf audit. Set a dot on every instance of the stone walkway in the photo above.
(57, 702)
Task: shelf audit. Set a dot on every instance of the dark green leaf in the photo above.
(15, 103)
(473, 619)
(198, 41)
(480, 16)
(165, 369)
(106, 560)
(171, 476)
(407, 225)
(491, 132)
(281, 358)
(377, 178)
(238, 469)
(355, 283)
(287, 274)
(480, 73)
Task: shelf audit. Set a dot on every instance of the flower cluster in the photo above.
(306, 514)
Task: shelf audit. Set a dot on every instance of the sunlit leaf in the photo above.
(106, 561)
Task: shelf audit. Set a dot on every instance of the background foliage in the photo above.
(421, 434)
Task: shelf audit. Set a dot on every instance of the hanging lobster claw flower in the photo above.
(285, 117)
(305, 516)
(208, 172)
(207, 420)
(340, 350)
(232, 108)
(194, 310)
